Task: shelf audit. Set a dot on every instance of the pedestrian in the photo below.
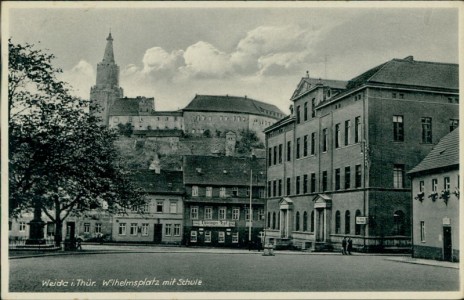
(350, 246)
(344, 246)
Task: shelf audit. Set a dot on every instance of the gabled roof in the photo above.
(444, 154)
(166, 182)
(409, 72)
(127, 106)
(307, 83)
(223, 170)
(212, 103)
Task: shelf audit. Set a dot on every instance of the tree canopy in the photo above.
(60, 157)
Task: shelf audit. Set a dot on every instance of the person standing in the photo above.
(344, 246)
(350, 246)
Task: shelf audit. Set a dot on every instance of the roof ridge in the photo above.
(425, 62)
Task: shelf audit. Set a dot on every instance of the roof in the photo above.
(127, 106)
(223, 170)
(233, 104)
(307, 83)
(287, 119)
(444, 154)
(409, 72)
(166, 182)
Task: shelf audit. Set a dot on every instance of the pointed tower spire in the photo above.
(108, 57)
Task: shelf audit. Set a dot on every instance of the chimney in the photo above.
(409, 58)
(291, 109)
(307, 73)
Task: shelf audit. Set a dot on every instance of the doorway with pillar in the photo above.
(322, 221)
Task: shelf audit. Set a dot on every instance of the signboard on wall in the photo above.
(361, 220)
(208, 223)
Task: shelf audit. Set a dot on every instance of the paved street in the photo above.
(209, 270)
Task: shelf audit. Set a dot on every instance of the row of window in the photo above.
(426, 126)
(434, 184)
(160, 206)
(307, 183)
(223, 192)
(150, 118)
(135, 229)
(221, 236)
(221, 213)
(305, 111)
(97, 228)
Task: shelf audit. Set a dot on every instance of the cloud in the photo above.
(204, 60)
(157, 59)
(81, 77)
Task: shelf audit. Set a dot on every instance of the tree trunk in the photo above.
(58, 233)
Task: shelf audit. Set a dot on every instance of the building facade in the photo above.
(217, 202)
(336, 166)
(435, 202)
(159, 221)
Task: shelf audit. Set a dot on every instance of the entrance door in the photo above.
(447, 249)
(158, 233)
(70, 230)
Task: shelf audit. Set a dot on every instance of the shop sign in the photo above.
(207, 223)
(361, 220)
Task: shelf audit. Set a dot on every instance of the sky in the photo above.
(172, 52)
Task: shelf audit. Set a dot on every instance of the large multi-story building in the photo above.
(336, 166)
(435, 202)
(160, 219)
(218, 200)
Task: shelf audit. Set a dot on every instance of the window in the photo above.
(434, 185)
(269, 189)
(22, 226)
(305, 111)
(280, 153)
(297, 221)
(260, 214)
(235, 237)
(288, 186)
(347, 222)
(313, 182)
(324, 140)
(222, 192)
(298, 114)
(426, 130)
(422, 231)
(454, 123)
(194, 212)
(247, 214)
(337, 222)
(274, 188)
(337, 179)
(393, 95)
(145, 229)
(269, 220)
(275, 155)
(305, 183)
(446, 184)
(289, 151)
(133, 229)
(324, 181)
(357, 129)
(358, 179)
(347, 132)
(235, 191)
(297, 148)
(313, 143)
(208, 213)
(159, 206)
(221, 236)
(313, 107)
(167, 229)
(312, 221)
(122, 228)
(236, 214)
(357, 227)
(98, 227)
(86, 227)
(305, 221)
(273, 220)
(305, 145)
(270, 156)
(248, 191)
(337, 135)
(222, 213)
(194, 191)
(207, 236)
(398, 129)
(398, 176)
(280, 187)
(173, 207)
(347, 177)
(193, 236)
(209, 191)
(399, 223)
(421, 186)
(297, 185)
(143, 208)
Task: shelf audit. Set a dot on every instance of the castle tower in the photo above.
(106, 90)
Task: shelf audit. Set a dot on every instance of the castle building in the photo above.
(217, 200)
(107, 89)
(435, 202)
(336, 166)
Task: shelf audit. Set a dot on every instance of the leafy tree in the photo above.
(126, 129)
(248, 140)
(61, 161)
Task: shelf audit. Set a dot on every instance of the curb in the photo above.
(434, 264)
